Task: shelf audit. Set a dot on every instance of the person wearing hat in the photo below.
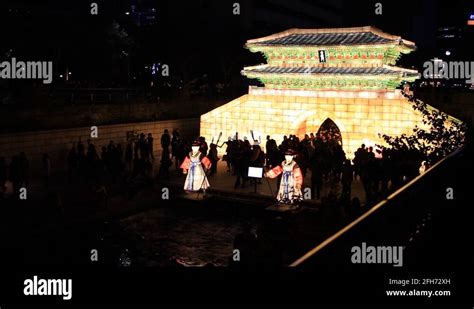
(291, 181)
(194, 166)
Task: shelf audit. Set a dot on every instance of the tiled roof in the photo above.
(329, 37)
(353, 38)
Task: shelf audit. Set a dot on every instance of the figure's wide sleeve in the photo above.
(298, 177)
(185, 164)
(274, 172)
(206, 162)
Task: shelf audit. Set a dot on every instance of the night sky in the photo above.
(195, 38)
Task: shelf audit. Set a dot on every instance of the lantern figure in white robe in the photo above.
(291, 180)
(195, 166)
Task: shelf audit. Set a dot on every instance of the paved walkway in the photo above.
(224, 181)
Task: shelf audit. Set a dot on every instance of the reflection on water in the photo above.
(168, 236)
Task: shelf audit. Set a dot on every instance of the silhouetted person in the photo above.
(103, 155)
(111, 147)
(203, 148)
(231, 152)
(316, 175)
(165, 139)
(257, 159)
(149, 141)
(115, 157)
(242, 162)
(176, 134)
(267, 143)
(273, 155)
(339, 157)
(346, 180)
(136, 149)
(81, 160)
(368, 175)
(360, 158)
(212, 156)
(80, 149)
(91, 151)
(165, 164)
(143, 147)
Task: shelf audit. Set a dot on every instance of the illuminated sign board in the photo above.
(255, 172)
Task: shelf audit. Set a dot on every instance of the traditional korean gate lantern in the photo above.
(351, 79)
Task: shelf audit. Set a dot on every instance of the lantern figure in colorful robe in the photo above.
(291, 180)
(195, 165)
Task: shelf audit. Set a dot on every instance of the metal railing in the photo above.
(370, 213)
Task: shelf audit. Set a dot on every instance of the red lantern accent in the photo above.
(380, 56)
(356, 56)
(364, 56)
(339, 56)
(372, 56)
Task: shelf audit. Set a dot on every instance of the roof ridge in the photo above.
(363, 29)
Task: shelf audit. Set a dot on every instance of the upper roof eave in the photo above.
(261, 41)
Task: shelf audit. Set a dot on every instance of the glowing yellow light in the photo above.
(360, 119)
(360, 112)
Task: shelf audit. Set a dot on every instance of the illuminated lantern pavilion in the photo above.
(343, 77)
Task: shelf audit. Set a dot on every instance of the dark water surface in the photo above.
(187, 234)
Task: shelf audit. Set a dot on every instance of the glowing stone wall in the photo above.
(360, 115)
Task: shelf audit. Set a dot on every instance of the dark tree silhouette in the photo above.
(442, 135)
